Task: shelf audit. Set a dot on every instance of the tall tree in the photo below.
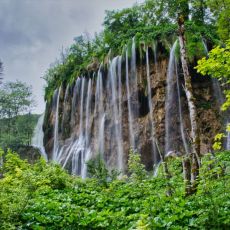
(179, 11)
(16, 99)
(195, 155)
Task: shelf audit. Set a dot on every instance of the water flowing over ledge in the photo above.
(132, 102)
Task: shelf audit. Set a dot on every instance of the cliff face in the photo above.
(127, 105)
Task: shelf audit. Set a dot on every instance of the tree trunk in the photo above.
(195, 155)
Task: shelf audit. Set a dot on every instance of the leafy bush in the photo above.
(44, 196)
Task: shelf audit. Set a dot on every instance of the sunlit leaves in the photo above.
(217, 65)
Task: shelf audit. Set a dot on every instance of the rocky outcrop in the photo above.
(70, 113)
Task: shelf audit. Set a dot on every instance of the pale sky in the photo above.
(33, 32)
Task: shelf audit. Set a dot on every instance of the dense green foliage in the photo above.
(16, 121)
(221, 10)
(15, 99)
(43, 196)
(17, 131)
(217, 65)
(150, 22)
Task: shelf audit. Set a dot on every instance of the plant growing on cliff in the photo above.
(217, 66)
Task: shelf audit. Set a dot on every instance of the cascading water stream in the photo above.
(173, 99)
(56, 124)
(120, 146)
(99, 112)
(131, 130)
(65, 106)
(38, 135)
(134, 91)
(88, 112)
(169, 98)
(113, 78)
(87, 152)
(134, 76)
(150, 103)
(75, 100)
(78, 147)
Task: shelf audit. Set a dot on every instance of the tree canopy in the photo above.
(15, 99)
(16, 121)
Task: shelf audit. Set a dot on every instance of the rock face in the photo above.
(109, 112)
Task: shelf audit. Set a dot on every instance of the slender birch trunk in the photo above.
(195, 155)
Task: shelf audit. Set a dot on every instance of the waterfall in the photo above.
(173, 107)
(115, 99)
(38, 135)
(88, 112)
(78, 148)
(150, 107)
(65, 106)
(56, 98)
(87, 151)
(99, 113)
(134, 92)
(104, 115)
(131, 130)
(170, 100)
(75, 100)
(134, 75)
(120, 139)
